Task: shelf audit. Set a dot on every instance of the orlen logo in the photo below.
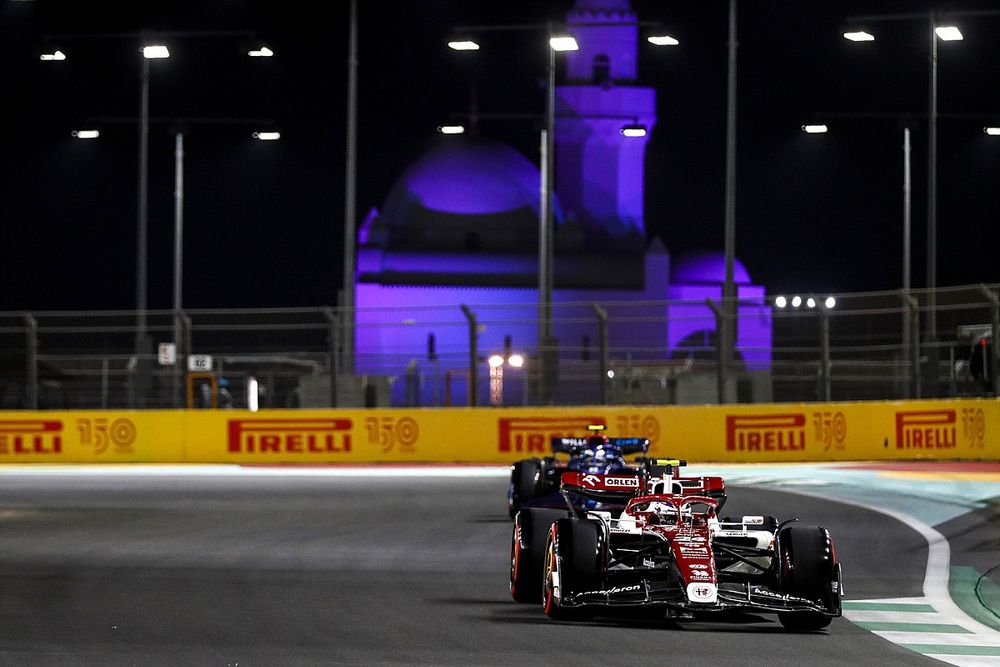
(621, 482)
(289, 436)
(926, 429)
(534, 434)
(30, 436)
(767, 433)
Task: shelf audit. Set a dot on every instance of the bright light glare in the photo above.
(815, 129)
(781, 302)
(810, 302)
(992, 131)
(267, 136)
(155, 51)
(262, 52)
(253, 394)
(633, 131)
(515, 360)
(949, 33)
(463, 45)
(830, 302)
(564, 43)
(796, 301)
(662, 40)
(86, 134)
(495, 361)
(451, 129)
(611, 375)
(859, 36)
(55, 55)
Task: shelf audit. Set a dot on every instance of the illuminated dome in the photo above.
(465, 194)
(707, 268)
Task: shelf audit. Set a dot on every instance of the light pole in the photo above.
(727, 337)
(150, 51)
(907, 215)
(938, 28)
(350, 206)
(557, 42)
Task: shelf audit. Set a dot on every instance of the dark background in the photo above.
(263, 220)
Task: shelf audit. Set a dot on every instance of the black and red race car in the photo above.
(667, 550)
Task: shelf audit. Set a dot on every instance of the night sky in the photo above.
(263, 220)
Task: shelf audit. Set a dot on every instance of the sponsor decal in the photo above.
(30, 436)
(974, 427)
(766, 433)
(646, 426)
(693, 552)
(621, 482)
(763, 592)
(698, 566)
(753, 519)
(926, 429)
(534, 434)
(702, 592)
(621, 589)
(700, 575)
(591, 480)
(391, 434)
(289, 436)
(101, 433)
(830, 429)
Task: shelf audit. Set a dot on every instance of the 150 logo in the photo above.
(974, 427)
(393, 434)
(830, 429)
(102, 432)
(645, 426)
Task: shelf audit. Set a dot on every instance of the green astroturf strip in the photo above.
(888, 606)
(943, 649)
(892, 626)
(984, 607)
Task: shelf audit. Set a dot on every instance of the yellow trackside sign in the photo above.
(958, 429)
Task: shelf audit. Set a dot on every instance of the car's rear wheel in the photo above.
(527, 551)
(575, 554)
(808, 570)
(527, 481)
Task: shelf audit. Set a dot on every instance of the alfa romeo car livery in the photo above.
(668, 550)
(535, 482)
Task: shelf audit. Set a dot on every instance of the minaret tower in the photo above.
(599, 171)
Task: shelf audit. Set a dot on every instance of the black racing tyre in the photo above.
(527, 551)
(575, 556)
(808, 569)
(527, 481)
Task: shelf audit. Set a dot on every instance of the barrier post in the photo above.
(914, 345)
(602, 318)
(31, 362)
(993, 367)
(333, 342)
(720, 333)
(473, 356)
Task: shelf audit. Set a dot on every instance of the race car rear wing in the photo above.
(625, 445)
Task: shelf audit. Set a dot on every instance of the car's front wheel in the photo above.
(575, 555)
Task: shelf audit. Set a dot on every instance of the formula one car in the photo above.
(535, 482)
(668, 551)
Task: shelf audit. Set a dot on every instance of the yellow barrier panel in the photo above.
(953, 429)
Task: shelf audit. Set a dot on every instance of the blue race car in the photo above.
(535, 482)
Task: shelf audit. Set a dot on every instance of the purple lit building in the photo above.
(460, 226)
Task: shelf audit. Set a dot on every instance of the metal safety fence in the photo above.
(878, 345)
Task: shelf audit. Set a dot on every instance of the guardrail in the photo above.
(867, 346)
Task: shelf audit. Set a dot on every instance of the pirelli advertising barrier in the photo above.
(960, 429)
